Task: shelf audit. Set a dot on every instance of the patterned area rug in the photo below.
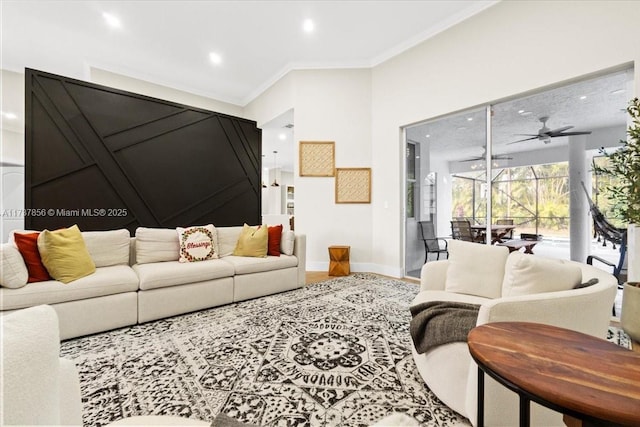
(335, 353)
(619, 337)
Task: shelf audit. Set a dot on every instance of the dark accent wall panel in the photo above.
(104, 158)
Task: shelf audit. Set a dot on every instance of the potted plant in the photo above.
(624, 165)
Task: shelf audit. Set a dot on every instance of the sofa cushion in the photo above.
(529, 274)
(287, 242)
(27, 244)
(172, 273)
(108, 247)
(13, 273)
(156, 245)
(248, 265)
(475, 269)
(65, 254)
(227, 239)
(111, 280)
(252, 241)
(197, 243)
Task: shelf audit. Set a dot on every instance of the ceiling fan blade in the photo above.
(562, 129)
(474, 159)
(527, 134)
(500, 157)
(572, 133)
(521, 140)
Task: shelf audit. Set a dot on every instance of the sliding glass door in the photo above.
(436, 152)
(526, 161)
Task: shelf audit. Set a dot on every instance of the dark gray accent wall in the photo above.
(104, 158)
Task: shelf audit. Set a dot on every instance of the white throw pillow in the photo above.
(287, 242)
(108, 248)
(197, 243)
(475, 269)
(156, 245)
(531, 274)
(227, 240)
(13, 271)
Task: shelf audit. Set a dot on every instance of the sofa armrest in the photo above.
(585, 310)
(433, 275)
(300, 251)
(70, 399)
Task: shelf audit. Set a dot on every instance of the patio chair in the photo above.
(432, 244)
(461, 230)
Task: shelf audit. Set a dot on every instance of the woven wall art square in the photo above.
(317, 158)
(353, 185)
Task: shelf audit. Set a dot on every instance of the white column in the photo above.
(579, 219)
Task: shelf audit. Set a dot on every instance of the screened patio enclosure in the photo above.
(536, 198)
(495, 162)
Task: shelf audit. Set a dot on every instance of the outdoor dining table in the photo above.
(498, 231)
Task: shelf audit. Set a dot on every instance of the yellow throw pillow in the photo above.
(252, 241)
(65, 255)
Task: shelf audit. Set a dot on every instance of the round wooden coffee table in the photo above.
(577, 374)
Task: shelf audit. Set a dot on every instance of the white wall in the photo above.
(273, 102)
(12, 202)
(11, 153)
(334, 105)
(508, 49)
(329, 105)
(12, 99)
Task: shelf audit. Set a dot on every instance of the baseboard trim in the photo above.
(363, 267)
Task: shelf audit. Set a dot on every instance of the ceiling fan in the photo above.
(483, 156)
(545, 134)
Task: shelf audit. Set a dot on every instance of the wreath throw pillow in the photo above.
(197, 243)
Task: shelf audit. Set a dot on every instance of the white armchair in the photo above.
(38, 386)
(514, 287)
(41, 388)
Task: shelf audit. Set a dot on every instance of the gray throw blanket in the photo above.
(441, 322)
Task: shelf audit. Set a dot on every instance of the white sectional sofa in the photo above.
(507, 287)
(140, 279)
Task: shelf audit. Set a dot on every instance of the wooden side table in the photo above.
(584, 377)
(339, 260)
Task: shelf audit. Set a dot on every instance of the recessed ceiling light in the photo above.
(10, 116)
(583, 97)
(112, 20)
(526, 113)
(520, 111)
(308, 26)
(282, 136)
(428, 135)
(618, 91)
(470, 119)
(215, 58)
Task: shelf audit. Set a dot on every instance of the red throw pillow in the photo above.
(28, 246)
(273, 246)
